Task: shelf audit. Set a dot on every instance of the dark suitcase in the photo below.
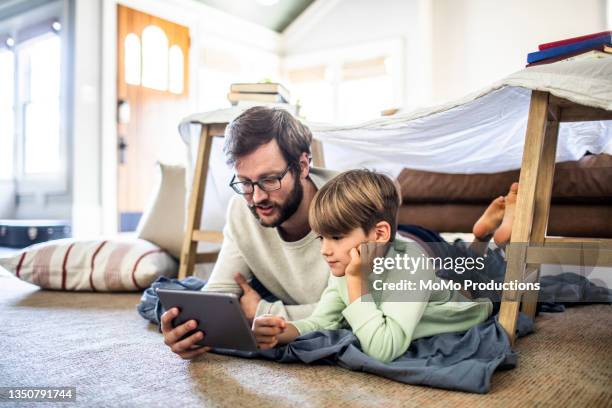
(22, 233)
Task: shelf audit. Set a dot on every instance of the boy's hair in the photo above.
(355, 199)
(258, 125)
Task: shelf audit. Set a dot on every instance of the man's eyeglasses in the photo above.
(267, 184)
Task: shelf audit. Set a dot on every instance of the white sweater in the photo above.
(295, 272)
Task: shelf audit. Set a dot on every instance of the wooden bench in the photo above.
(530, 247)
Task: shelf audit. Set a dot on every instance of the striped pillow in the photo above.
(96, 265)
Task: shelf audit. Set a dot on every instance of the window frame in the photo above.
(333, 60)
(22, 30)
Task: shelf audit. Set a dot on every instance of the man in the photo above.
(267, 235)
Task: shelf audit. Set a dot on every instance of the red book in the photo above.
(571, 40)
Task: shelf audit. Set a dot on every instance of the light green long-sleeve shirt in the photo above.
(386, 327)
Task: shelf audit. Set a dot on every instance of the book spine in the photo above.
(557, 51)
(565, 56)
(567, 41)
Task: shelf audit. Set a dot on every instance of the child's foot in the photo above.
(503, 233)
(490, 220)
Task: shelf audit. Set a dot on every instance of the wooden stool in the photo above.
(529, 246)
(193, 233)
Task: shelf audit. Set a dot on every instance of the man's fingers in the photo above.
(242, 282)
(187, 355)
(178, 332)
(185, 344)
(166, 319)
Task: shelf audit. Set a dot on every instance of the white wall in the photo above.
(452, 47)
(86, 126)
(345, 23)
(476, 42)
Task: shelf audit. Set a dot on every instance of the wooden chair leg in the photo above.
(196, 202)
(523, 218)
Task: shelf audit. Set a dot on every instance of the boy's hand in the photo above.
(266, 329)
(353, 269)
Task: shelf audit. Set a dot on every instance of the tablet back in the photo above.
(218, 315)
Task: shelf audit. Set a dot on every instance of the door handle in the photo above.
(122, 147)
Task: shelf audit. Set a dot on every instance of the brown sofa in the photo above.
(581, 203)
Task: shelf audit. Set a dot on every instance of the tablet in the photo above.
(218, 315)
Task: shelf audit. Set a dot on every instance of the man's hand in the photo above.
(266, 330)
(250, 298)
(186, 348)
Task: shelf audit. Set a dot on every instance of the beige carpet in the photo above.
(99, 344)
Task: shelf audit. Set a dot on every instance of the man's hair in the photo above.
(354, 199)
(259, 125)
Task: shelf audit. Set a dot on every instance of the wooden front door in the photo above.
(152, 93)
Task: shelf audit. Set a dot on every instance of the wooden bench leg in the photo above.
(524, 212)
(196, 202)
(544, 184)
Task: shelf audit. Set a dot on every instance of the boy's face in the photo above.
(336, 250)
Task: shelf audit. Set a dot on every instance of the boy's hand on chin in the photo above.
(353, 269)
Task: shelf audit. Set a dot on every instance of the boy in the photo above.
(356, 207)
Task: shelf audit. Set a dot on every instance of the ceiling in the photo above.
(275, 17)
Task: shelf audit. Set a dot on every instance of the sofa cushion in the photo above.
(586, 181)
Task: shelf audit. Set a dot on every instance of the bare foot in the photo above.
(490, 220)
(503, 233)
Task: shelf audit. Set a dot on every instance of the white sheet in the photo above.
(481, 133)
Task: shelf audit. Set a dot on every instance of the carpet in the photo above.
(99, 344)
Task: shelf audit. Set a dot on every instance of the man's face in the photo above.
(271, 208)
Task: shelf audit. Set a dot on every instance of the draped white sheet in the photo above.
(481, 133)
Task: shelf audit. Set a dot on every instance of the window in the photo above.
(153, 64)
(154, 58)
(39, 71)
(313, 90)
(365, 90)
(7, 63)
(347, 85)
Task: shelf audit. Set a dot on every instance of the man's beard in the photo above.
(286, 210)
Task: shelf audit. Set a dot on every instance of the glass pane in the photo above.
(44, 66)
(6, 77)
(6, 114)
(42, 153)
(316, 99)
(40, 59)
(364, 99)
(132, 59)
(176, 69)
(154, 58)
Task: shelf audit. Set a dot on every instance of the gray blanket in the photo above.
(454, 361)
(457, 361)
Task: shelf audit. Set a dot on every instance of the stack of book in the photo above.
(258, 92)
(598, 45)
